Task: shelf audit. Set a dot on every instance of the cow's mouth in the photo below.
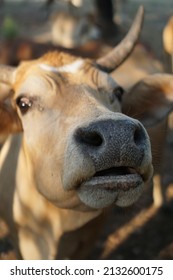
(119, 185)
(113, 178)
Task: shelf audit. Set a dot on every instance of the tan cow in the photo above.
(72, 31)
(74, 153)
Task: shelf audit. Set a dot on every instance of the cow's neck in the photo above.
(34, 212)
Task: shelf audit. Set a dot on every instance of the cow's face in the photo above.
(84, 152)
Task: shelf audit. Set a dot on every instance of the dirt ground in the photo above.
(141, 231)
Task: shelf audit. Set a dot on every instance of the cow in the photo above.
(72, 31)
(70, 153)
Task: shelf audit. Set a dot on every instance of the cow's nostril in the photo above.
(90, 138)
(138, 136)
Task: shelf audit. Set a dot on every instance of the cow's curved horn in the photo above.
(115, 57)
(7, 74)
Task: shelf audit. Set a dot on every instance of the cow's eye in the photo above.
(117, 93)
(24, 104)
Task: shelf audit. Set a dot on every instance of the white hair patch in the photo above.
(68, 68)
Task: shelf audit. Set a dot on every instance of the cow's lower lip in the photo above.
(102, 191)
(123, 178)
(114, 183)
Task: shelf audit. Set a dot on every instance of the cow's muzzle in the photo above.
(116, 161)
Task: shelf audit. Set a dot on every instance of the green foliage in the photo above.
(9, 29)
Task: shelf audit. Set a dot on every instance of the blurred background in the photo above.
(90, 28)
(86, 20)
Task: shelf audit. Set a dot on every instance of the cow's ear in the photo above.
(150, 100)
(9, 120)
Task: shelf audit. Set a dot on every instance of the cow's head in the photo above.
(84, 153)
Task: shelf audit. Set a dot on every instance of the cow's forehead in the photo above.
(32, 84)
(72, 67)
(83, 71)
(37, 75)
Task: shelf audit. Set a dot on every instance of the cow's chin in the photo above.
(114, 186)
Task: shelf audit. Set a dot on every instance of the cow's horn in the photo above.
(7, 74)
(115, 57)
